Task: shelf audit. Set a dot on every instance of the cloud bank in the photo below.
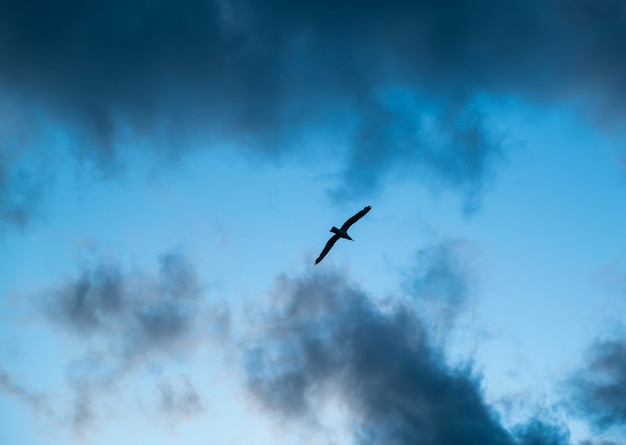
(386, 87)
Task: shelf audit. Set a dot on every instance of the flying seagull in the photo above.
(341, 233)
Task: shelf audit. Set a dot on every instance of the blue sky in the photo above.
(169, 173)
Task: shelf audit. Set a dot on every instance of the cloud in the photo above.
(25, 172)
(538, 432)
(9, 386)
(20, 197)
(441, 283)
(599, 388)
(326, 339)
(599, 442)
(180, 399)
(126, 321)
(138, 312)
(388, 88)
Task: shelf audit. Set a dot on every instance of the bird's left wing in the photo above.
(355, 218)
(331, 242)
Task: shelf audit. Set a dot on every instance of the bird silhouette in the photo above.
(342, 232)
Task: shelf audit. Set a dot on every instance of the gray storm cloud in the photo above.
(325, 339)
(391, 86)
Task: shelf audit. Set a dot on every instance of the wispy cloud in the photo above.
(441, 284)
(125, 320)
(20, 196)
(179, 399)
(9, 386)
(25, 171)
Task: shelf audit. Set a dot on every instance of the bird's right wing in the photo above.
(355, 218)
(329, 245)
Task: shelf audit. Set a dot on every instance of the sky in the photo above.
(169, 173)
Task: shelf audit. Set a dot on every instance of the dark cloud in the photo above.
(386, 86)
(139, 313)
(538, 432)
(326, 339)
(599, 389)
(128, 320)
(86, 302)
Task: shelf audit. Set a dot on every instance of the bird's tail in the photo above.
(334, 229)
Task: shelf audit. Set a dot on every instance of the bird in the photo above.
(342, 232)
